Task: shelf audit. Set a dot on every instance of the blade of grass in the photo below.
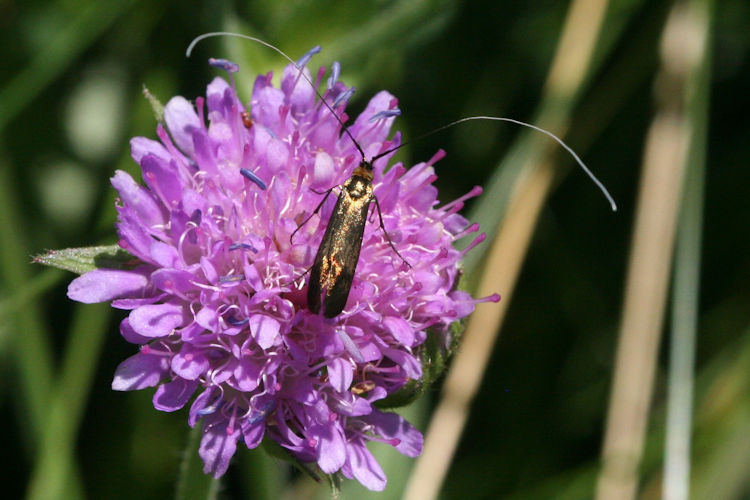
(55, 462)
(262, 475)
(398, 22)
(624, 75)
(724, 470)
(28, 335)
(562, 92)
(33, 352)
(404, 20)
(722, 418)
(676, 483)
(634, 66)
(568, 72)
(21, 298)
(59, 54)
(30, 338)
(646, 289)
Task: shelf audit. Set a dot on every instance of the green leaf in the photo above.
(83, 260)
(156, 106)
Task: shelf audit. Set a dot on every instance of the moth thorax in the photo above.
(364, 170)
(358, 186)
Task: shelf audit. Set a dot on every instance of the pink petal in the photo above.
(173, 395)
(331, 446)
(340, 374)
(137, 199)
(400, 329)
(156, 320)
(129, 334)
(247, 374)
(190, 363)
(364, 467)
(182, 121)
(218, 444)
(265, 330)
(102, 285)
(142, 146)
(140, 371)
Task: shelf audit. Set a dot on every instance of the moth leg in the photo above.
(317, 209)
(387, 238)
(297, 278)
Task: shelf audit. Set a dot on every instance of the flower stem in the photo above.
(192, 483)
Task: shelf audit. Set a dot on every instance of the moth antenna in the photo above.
(567, 148)
(285, 56)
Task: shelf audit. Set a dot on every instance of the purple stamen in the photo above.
(243, 246)
(473, 228)
(249, 175)
(495, 297)
(475, 191)
(270, 132)
(386, 113)
(212, 407)
(263, 412)
(344, 96)
(335, 72)
(302, 62)
(474, 243)
(225, 64)
(237, 322)
(231, 278)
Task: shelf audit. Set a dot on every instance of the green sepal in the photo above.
(335, 481)
(83, 260)
(434, 357)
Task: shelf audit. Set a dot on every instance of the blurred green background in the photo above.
(71, 76)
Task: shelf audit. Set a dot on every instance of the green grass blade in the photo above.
(685, 298)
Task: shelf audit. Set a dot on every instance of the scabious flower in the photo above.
(217, 301)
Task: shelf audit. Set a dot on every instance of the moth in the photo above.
(333, 270)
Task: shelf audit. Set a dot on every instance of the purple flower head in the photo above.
(217, 303)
